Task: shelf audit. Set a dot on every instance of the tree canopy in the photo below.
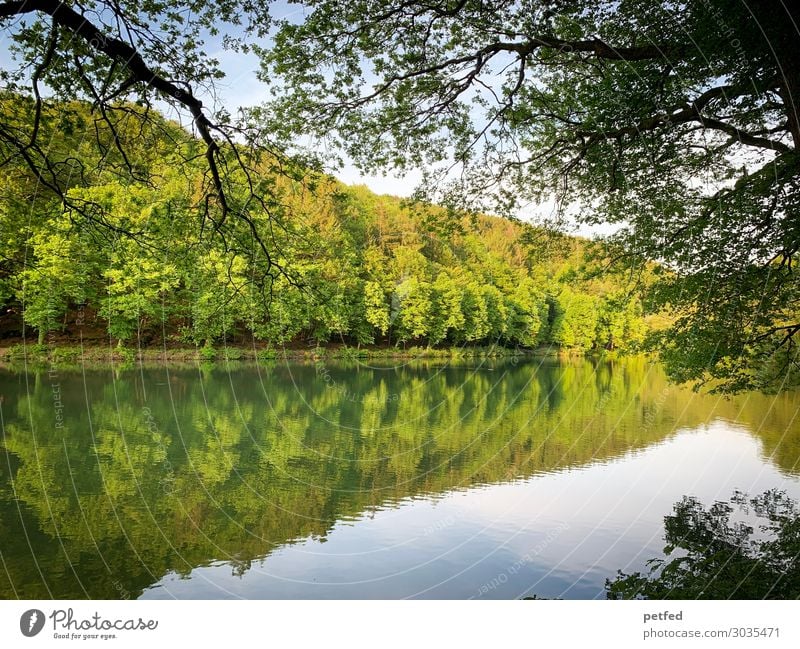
(364, 268)
(674, 122)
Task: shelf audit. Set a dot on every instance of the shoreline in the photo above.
(76, 355)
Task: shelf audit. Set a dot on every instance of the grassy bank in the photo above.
(65, 354)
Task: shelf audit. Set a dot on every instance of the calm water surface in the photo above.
(476, 480)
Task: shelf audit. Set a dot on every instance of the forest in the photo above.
(352, 267)
(610, 112)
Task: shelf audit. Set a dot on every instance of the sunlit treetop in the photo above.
(676, 121)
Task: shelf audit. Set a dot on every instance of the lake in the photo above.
(474, 479)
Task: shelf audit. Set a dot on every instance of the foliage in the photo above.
(673, 122)
(125, 58)
(575, 321)
(365, 269)
(721, 558)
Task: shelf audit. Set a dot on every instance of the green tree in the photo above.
(376, 307)
(448, 317)
(528, 314)
(218, 296)
(497, 312)
(415, 309)
(137, 289)
(575, 320)
(675, 121)
(476, 313)
(281, 319)
(619, 321)
(63, 272)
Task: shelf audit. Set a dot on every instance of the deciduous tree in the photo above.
(677, 122)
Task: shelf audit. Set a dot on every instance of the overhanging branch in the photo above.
(126, 55)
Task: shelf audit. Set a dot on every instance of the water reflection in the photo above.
(353, 481)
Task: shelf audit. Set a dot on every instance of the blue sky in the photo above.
(240, 87)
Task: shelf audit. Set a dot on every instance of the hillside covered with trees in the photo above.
(672, 124)
(346, 265)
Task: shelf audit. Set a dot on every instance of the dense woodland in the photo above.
(141, 260)
(672, 124)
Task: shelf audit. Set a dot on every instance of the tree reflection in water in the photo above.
(747, 548)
